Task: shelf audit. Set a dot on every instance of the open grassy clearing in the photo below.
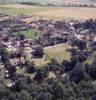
(58, 52)
(91, 58)
(28, 33)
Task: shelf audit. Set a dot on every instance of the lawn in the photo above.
(31, 33)
(58, 52)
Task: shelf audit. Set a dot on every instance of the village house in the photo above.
(17, 61)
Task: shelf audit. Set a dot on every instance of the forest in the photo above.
(74, 80)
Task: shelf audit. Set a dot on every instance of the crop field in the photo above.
(54, 12)
(59, 52)
(22, 9)
(71, 13)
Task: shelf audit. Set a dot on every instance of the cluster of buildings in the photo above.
(50, 33)
(61, 30)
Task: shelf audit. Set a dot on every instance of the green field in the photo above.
(31, 33)
(58, 52)
(26, 11)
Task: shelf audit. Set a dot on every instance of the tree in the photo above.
(94, 97)
(54, 65)
(30, 68)
(44, 96)
(41, 74)
(11, 70)
(3, 92)
(38, 52)
(81, 44)
(20, 84)
(62, 91)
(24, 95)
(67, 66)
(21, 36)
(91, 69)
(77, 73)
(12, 96)
(59, 90)
(4, 55)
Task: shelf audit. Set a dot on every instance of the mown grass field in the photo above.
(58, 52)
(31, 33)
